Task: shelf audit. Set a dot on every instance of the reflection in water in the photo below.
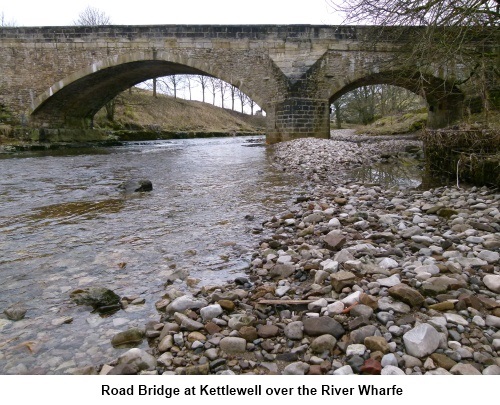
(404, 174)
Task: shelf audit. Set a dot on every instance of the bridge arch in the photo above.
(75, 99)
(444, 99)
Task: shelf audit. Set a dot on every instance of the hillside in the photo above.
(140, 111)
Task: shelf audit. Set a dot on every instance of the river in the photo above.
(66, 224)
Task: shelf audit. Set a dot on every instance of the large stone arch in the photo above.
(444, 99)
(75, 99)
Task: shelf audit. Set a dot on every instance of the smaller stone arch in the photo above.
(444, 98)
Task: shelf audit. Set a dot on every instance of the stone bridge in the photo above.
(59, 77)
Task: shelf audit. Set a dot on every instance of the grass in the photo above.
(141, 111)
(395, 124)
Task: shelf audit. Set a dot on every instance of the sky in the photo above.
(144, 12)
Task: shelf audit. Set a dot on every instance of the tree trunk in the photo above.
(338, 121)
(110, 110)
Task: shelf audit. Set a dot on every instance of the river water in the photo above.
(65, 224)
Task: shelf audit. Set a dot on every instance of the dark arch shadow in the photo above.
(78, 97)
(444, 99)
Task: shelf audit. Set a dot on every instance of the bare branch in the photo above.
(92, 16)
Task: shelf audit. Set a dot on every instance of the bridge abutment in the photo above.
(445, 112)
(298, 118)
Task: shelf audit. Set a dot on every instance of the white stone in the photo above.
(329, 265)
(388, 304)
(297, 368)
(421, 341)
(464, 369)
(320, 276)
(211, 311)
(492, 370)
(284, 259)
(431, 269)
(389, 281)
(344, 370)
(492, 320)
(138, 358)
(474, 240)
(477, 320)
(389, 360)
(294, 330)
(423, 276)
(353, 265)
(282, 290)
(456, 319)
(489, 256)
(334, 223)
(335, 308)
(356, 349)
(320, 303)
(388, 263)
(185, 302)
(392, 370)
(351, 299)
(492, 282)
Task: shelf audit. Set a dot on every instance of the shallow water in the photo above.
(66, 224)
(403, 174)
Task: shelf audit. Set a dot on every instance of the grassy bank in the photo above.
(140, 111)
(395, 124)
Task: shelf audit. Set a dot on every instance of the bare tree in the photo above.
(223, 88)
(202, 80)
(243, 99)
(337, 111)
(92, 16)
(174, 83)
(444, 13)
(188, 84)
(212, 87)
(232, 94)
(252, 105)
(5, 23)
(447, 29)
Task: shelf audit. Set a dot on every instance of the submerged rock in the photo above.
(15, 312)
(136, 186)
(102, 300)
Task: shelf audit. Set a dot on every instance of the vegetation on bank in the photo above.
(140, 111)
(395, 124)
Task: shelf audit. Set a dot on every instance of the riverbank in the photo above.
(351, 279)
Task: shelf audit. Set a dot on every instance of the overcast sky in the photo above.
(59, 12)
